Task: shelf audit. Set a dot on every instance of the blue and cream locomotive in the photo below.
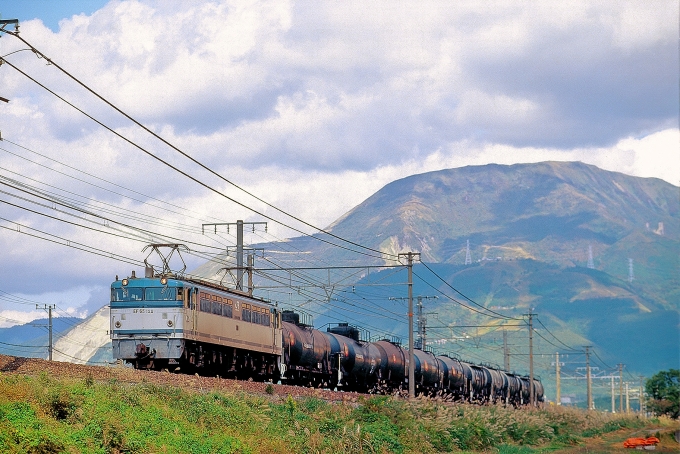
(165, 322)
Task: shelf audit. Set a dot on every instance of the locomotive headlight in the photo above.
(170, 323)
(125, 282)
(164, 280)
(117, 324)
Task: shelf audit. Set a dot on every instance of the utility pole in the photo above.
(613, 398)
(411, 359)
(421, 325)
(558, 395)
(588, 378)
(620, 388)
(506, 352)
(251, 265)
(422, 322)
(642, 397)
(48, 308)
(531, 356)
(239, 245)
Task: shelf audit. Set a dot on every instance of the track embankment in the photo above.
(61, 370)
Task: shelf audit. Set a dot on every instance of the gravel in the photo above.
(63, 370)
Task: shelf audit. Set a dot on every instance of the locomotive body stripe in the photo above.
(147, 331)
(268, 348)
(129, 304)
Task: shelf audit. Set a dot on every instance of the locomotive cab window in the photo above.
(127, 294)
(160, 293)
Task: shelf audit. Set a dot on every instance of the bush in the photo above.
(664, 393)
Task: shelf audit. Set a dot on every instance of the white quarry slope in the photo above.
(84, 340)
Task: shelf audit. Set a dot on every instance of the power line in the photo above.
(461, 294)
(40, 54)
(555, 337)
(184, 210)
(69, 243)
(496, 315)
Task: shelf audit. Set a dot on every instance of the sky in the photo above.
(310, 106)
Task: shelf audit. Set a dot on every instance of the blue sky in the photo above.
(50, 12)
(313, 107)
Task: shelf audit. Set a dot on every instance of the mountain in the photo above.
(550, 212)
(531, 229)
(86, 342)
(75, 340)
(31, 339)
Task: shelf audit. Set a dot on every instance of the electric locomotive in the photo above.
(166, 322)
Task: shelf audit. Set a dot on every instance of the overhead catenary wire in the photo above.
(555, 337)
(175, 168)
(90, 213)
(110, 104)
(183, 209)
(112, 209)
(69, 243)
(382, 254)
(497, 314)
(488, 313)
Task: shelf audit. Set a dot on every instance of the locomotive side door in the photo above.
(190, 297)
(194, 306)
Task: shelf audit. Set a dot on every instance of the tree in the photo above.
(663, 390)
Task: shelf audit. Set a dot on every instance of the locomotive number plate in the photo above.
(142, 311)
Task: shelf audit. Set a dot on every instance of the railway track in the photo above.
(68, 371)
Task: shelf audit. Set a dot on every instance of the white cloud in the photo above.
(316, 106)
(656, 155)
(19, 308)
(9, 318)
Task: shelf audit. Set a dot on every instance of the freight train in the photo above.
(193, 326)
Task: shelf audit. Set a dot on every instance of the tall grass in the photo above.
(44, 415)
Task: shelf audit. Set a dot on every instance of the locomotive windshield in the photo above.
(161, 293)
(127, 294)
(146, 294)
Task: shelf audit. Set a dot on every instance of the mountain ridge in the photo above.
(466, 197)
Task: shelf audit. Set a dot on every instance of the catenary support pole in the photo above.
(506, 351)
(620, 388)
(613, 397)
(532, 397)
(589, 379)
(642, 396)
(411, 358)
(558, 395)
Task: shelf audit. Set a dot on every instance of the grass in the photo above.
(46, 415)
